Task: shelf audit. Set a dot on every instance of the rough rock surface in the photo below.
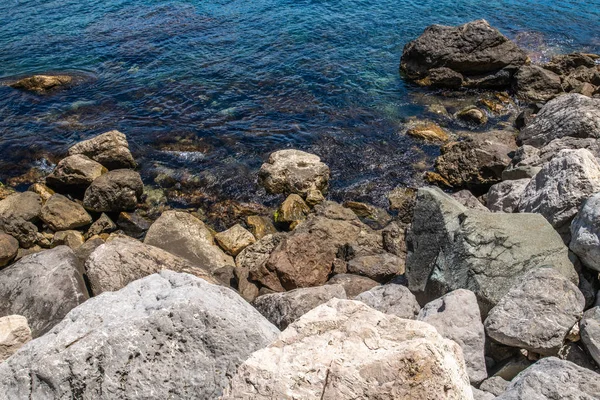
(260, 226)
(506, 195)
(292, 210)
(363, 354)
(165, 336)
(495, 385)
(294, 171)
(353, 284)
(282, 309)
(62, 214)
(379, 267)
(473, 50)
(234, 239)
(537, 313)
(115, 264)
(559, 189)
(450, 247)
(590, 332)
(26, 205)
(117, 190)
(74, 172)
(585, 233)
(42, 83)
(550, 379)
(186, 236)
(102, 225)
(42, 287)
(536, 84)
(456, 317)
(568, 115)
(467, 199)
(14, 333)
(391, 299)
(109, 149)
(72, 239)
(9, 246)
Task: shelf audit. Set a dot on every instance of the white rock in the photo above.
(14, 333)
(585, 233)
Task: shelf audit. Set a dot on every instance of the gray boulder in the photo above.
(354, 285)
(562, 185)
(590, 332)
(26, 205)
(281, 309)
(450, 247)
(495, 385)
(294, 171)
(122, 260)
(456, 317)
(42, 287)
(62, 214)
(109, 149)
(573, 115)
(536, 84)
(165, 336)
(24, 231)
(117, 190)
(481, 395)
(186, 236)
(467, 199)
(585, 233)
(391, 299)
(75, 173)
(537, 313)
(506, 195)
(550, 379)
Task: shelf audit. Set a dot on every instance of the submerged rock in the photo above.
(117, 190)
(42, 83)
(428, 131)
(14, 333)
(109, 149)
(165, 336)
(382, 356)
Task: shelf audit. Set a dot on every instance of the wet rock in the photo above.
(475, 50)
(115, 264)
(117, 190)
(391, 299)
(467, 199)
(251, 267)
(379, 267)
(42, 83)
(14, 333)
(74, 173)
(476, 162)
(354, 285)
(292, 211)
(9, 247)
(402, 200)
(186, 236)
(26, 205)
(43, 287)
(428, 131)
(293, 171)
(42, 190)
(472, 115)
(565, 64)
(585, 233)
(102, 225)
(133, 224)
(62, 214)
(72, 239)
(505, 196)
(260, 226)
(456, 317)
(561, 186)
(495, 385)
(109, 149)
(567, 115)
(590, 332)
(142, 342)
(375, 217)
(234, 239)
(357, 343)
(443, 78)
(551, 378)
(451, 247)
(536, 84)
(282, 309)
(537, 313)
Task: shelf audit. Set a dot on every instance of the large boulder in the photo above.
(9, 246)
(391, 299)
(562, 185)
(480, 54)
(14, 333)
(282, 309)
(168, 335)
(109, 149)
(294, 171)
(42, 287)
(536, 84)
(477, 161)
(74, 173)
(346, 350)
(122, 260)
(62, 214)
(26, 205)
(117, 190)
(451, 247)
(590, 332)
(568, 115)
(456, 317)
(186, 236)
(506, 195)
(585, 233)
(537, 313)
(552, 378)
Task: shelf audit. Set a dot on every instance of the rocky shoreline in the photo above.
(487, 289)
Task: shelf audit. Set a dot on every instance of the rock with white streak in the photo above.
(506, 195)
(346, 350)
(391, 299)
(585, 233)
(14, 333)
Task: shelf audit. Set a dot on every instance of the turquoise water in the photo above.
(207, 89)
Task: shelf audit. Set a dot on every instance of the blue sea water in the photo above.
(205, 90)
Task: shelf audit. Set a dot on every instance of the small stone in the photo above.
(251, 268)
(109, 149)
(391, 299)
(234, 239)
(429, 132)
(74, 173)
(353, 284)
(71, 238)
(402, 200)
(260, 226)
(62, 214)
(133, 224)
(42, 83)
(314, 197)
(472, 115)
(102, 225)
(292, 210)
(379, 267)
(513, 367)
(14, 333)
(115, 191)
(375, 217)
(42, 190)
(9, 247)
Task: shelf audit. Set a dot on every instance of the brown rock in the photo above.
(9, 246)
(234, 239)
(472, 115)
(379, 267)
(292, 210)
(75, 173)
(260, 226)
(42, 190)
(71, 238)
(42, 83)
(109, 149)
(353, 284)
(428, 131)
(14, 333)
(62, 214)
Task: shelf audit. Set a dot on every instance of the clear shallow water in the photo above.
(208, 89)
